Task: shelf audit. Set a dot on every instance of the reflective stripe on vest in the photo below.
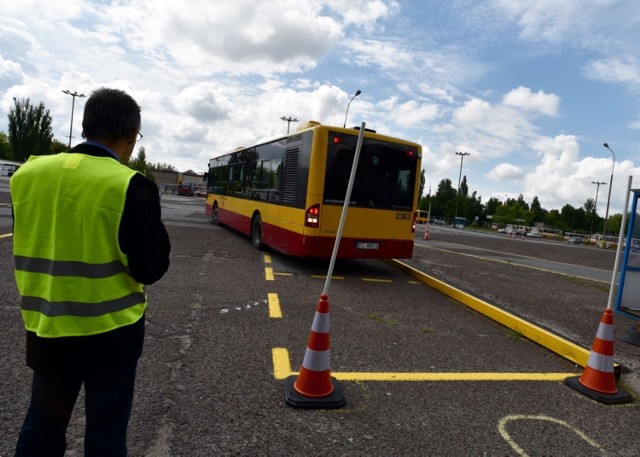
(70, 268)
(71, 274)
(80, 309)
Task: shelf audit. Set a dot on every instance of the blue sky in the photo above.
(530, 88)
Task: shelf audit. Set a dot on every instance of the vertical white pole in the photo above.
(345, 207)
(619, 250)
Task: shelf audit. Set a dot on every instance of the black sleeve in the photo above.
(143, 236)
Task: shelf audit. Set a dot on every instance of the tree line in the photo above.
(517, 211)
(30, 133)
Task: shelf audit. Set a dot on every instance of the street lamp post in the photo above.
(461, 154)
(606, 214)
(289, 120)
(358, 92)
(73, 106)
(595, 204)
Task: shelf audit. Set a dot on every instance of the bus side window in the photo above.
(275, 174)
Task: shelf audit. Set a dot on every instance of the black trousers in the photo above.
(108, 402)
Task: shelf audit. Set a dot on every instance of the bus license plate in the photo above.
(362, 245)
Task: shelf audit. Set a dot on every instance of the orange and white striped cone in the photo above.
(426, 232)
(314, 387)
(598, 380)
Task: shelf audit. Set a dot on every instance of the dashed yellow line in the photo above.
(376, 280)
(268, 274)
(325, 277)
(282, 370)
(275, 312)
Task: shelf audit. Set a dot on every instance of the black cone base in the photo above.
(332, 401)
(609, 399)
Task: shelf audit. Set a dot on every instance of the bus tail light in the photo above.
(312, 217)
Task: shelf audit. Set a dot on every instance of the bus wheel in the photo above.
(214, 215)
(256, 232)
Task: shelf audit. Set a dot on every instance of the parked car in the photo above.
(7, 169)
(575, 240)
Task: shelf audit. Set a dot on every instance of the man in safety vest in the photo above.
(87, 237)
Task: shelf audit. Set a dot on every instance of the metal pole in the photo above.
(358, 92)
(73, 106)
(289, 121)
(461, 154)
(620, 240)
(595, 205)
(606, 214)
(345, 208)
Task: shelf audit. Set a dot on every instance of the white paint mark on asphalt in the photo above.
(161, 447)
(502, 428)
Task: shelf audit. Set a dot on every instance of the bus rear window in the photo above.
(385, 176)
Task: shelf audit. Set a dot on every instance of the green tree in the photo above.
(58, 146)
(464, 187)
(473, 207)
(164, 167)
(491, 206)
(538, 211)
(29, 129)
(140, 164)
(614, 222)
(552, 218)
(444, 201)
(591, 217)
(6, 151)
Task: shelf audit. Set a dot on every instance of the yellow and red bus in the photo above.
(288, 194)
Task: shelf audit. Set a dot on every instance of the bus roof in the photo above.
(311, 125)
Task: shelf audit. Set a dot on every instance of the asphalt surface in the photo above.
(421, 373)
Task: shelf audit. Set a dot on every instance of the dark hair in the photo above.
(110, 114)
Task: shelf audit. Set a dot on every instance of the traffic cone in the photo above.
(314, 387)
(426, 232)
(598, 380)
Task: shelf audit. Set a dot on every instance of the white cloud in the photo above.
(623, 70)
(506, 171)
(363, 13)
(522, 97)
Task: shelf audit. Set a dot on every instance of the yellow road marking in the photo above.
(267, 258)
(282, 370)
(6, 235)
(376, 280)
(268, 273)
(274, 306)
(325, 277)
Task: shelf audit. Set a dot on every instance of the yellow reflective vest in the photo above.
(72, 276)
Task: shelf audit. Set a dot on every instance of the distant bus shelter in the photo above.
(628, 300)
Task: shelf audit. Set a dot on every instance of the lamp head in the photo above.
(358, 92)
(606, 145)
